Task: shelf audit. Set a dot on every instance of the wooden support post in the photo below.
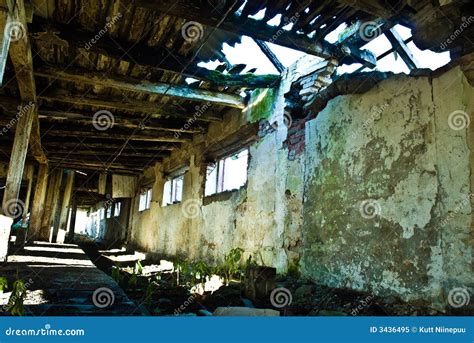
(270, 55)
(401, 48)
(102, 183)
(64, 210)
(5, 38)
(51, 204)
(21, 231)
(72, 224)
(12, 206)
(38, 203)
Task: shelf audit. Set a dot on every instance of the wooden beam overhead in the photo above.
(141, 86)
(94, 145)
(402, 49)
(92, 165)
(155, 58)
(156, 110)
(140, 136)
(5, 38)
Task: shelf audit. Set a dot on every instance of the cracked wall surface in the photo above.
(383, 172)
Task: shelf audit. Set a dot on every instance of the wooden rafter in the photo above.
(140, 86)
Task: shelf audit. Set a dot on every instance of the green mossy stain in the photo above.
(261, 104)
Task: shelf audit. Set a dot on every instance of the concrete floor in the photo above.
(61, 280)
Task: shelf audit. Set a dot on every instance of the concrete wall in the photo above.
(387, 190)
(389, 150)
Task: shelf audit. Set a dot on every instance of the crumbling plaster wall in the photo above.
(263, 217)
(387, 190)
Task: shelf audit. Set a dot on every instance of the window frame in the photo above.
(173, 195)
(119, 205)
(220, 172)
(147, 192)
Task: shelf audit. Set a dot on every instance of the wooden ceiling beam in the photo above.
(147, 56)
(141, 136)
(156, 110)
(96, 146)
(130, 84)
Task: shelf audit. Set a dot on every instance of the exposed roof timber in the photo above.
(95, 166)
(257, 29)
(401, 48)
(109, 153)
(155, 58)
(5, 39)
(377, 8)
(128, 161)
(156, 110)
(98, 146)
(270, 55)
(119, 121)
(134, 85)
(22, 61)
(141, 136)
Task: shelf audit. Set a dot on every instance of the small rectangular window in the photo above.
(227, 174)
(102, 214)
(145, 200)
(109, 211)
(173, 191)
(117, 208)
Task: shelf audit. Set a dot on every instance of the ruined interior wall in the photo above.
(255, 218)
(387, 181)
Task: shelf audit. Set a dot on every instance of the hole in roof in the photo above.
(275, 21)
(258, 16)
(333, 36)
(286, 56)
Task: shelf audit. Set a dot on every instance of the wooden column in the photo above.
(17, 161)
(21, 232)
(5, 38)
(12, 207)
(38, 203)
(72, 225)
(101, 188)
(64, 210)
(52, 197)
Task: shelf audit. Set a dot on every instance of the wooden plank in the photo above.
(11, 202)
(5, 38)
(54, 187)
(270, 55)
(63, 216)
(123, 186)
(160, 59)
(141, 86)
(96, 165)
(22, 61)
(157, 110)
(102, 183)
(21, 232)
(72, 223)
(142, 136)
(93, 146)
(402, 49)
(38, 203)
